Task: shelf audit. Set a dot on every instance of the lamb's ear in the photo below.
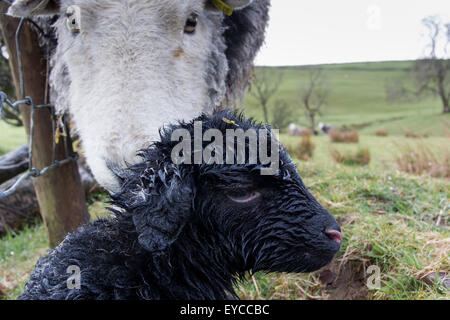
(28, 8)
(228, 6)
(165, 207)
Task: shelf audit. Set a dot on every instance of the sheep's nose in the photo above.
(334, 235)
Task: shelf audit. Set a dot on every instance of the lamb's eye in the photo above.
(243, 196)
(191, 24)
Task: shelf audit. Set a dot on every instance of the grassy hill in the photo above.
(10, 137)
(358, 98)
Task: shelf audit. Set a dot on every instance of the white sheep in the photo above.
(124, 68)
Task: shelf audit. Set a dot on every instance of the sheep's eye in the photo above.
(243, 196)
(73, 19)
(191, 24)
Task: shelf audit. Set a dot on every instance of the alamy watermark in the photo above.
(374, 20)
(373, 277)
(74, 280)
(237, 143)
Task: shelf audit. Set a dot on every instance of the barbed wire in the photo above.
(56, 125)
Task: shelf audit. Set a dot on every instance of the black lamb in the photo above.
(190, 231)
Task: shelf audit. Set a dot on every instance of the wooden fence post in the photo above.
(59, 191)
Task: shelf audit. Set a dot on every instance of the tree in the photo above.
(281, 115)
(314, 94)
(264, 86)
(432, 73)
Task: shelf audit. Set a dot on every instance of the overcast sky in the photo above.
(331, 31)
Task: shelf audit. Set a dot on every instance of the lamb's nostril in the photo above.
(334, 235)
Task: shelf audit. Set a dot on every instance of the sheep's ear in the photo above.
(165, 207)
(228, 6)
(28, 8)
(244, 35)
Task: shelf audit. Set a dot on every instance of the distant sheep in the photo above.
(294, 130)
(188, 231)
(325, 128)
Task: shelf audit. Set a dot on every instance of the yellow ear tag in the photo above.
(230, 122)
(222, 6)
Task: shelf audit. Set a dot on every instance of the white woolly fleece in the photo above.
(131, 70)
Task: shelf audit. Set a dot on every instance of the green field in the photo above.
(11, 137)
(358, 98)
(396, 221)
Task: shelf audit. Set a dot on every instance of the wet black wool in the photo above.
(176, 233)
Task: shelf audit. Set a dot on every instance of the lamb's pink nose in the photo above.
(334, 235)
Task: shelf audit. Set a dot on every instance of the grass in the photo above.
(19, 252)
(303, 148)
(381, 132)
(350, 136)
(395, 220)
(11, 137)
(389, 219)
(419, 159)
(383, 150)
(359, 158)
(358, 100)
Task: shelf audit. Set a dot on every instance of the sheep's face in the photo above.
(252, 221)
(274, 222)
(131, 66)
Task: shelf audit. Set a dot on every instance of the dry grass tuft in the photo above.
(414, 135)
(410, 134)
(350, 136)
(360, 158)
(306, 133)
(381, 132)
(419, 159)
(302, 149)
